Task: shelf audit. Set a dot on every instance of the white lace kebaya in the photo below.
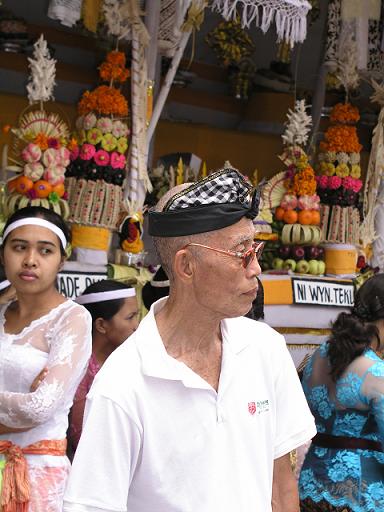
(61, 342)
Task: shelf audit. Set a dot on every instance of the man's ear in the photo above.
(183, 265)
(99, 325)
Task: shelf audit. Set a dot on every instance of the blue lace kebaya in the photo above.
(351, 407)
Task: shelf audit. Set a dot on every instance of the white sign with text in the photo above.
(72, 283)
(319, 292)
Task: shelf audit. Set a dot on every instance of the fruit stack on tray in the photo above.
(292, 197)
(339, 182)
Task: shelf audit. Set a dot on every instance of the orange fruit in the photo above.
(23, 184)
(12, 185)
(315, 217)
(290, 216)
(279, 213)
(42, 188)
(305, 217)
(59, 189)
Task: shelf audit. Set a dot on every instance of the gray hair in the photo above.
(167, 247)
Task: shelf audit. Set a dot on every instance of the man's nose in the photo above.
(254, 269)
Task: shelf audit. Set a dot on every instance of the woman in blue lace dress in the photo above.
(344, 385)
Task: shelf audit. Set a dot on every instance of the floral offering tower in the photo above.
(296, 214)
(98, 156)
(339, 180)
(39, 153)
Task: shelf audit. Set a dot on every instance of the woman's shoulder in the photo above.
(71, 308)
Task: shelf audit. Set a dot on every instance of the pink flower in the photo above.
(104, 124)
(357, 184)
(117, 161)
(322, 181)
(289, 174)
(305, 202)
(315, 202)
(65, 195)
(54, 174)
(348, 183)
(53, 143)
(62, 157)
(89, 121)
(50, 157)
(34, 171)
(101, 157)
(87, 151)
(334, 182)
(32, 194)
(31, 153)
(75, 153)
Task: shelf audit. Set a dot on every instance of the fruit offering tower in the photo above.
(296, 214)
(338, 180)
(98, 159)
(39, 152)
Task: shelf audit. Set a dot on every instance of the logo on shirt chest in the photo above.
(258, 407)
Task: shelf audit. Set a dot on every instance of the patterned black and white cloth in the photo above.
(224, 186)
(215, 202)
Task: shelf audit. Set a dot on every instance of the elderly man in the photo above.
(200, 407)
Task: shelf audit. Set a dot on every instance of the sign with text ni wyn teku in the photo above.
(319, 292)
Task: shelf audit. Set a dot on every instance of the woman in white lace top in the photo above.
(41, 330)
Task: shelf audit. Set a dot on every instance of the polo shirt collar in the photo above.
(156, 362)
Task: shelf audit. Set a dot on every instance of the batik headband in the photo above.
(90, 298)
(37, 221)
(219, 200)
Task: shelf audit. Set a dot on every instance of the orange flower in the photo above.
(117, 58)
(344, 113)
(103, 100)
(41, 140)
(114, 68)
(341, 138)
(72, 144)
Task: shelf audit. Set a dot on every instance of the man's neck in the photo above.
(192, 336)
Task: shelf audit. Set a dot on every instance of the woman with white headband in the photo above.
(41, 334)
(114, 310)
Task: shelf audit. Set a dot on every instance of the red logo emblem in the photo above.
(251, 407)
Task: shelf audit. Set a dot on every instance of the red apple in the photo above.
(312, 252)
(298, 252)
(284, 251)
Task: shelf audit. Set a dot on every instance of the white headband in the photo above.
(37, 221)
(90, 298)
(160, 284)
(4, 284)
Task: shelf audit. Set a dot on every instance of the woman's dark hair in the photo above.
(107, 308)
(353, 332)
(42, 213)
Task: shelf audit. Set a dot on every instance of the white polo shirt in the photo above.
(159, 438)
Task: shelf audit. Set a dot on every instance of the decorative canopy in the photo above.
(290, 16)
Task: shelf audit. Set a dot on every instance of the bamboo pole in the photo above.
(162, 97)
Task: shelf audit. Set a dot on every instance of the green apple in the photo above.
(289, 265)
(321, 269)
(277, 263)
(313, 267)
(302, 267)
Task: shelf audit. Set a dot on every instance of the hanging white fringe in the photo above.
(290, 16)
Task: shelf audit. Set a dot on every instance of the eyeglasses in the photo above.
(246, 257)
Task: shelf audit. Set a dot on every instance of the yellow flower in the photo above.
(342, 170)
(355, 171)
